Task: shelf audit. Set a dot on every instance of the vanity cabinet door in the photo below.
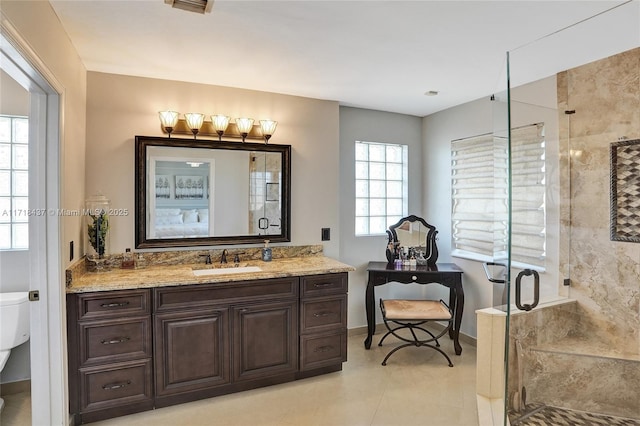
(265, 339)
(191, 350)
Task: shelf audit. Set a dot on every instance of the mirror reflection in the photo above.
(412, 238)
(192, 192)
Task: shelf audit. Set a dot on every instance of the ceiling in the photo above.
(381, 55)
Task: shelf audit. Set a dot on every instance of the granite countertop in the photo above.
(172, 275)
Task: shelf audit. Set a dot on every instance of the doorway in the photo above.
(43, 274)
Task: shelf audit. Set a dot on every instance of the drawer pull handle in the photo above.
(116, 340)
(114, 305)
(322, 314)
(322, 285)
(325, 348)
(115, 386)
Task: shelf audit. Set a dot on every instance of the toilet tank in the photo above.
(14, 319)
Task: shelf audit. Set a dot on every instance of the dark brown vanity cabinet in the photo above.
(110, 353)
(192, 350)
(265, 339)
(323, 321)
(218, 338)
(133, 350)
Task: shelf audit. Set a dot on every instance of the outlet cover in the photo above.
(326, 234)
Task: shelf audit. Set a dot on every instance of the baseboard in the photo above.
(15, 387)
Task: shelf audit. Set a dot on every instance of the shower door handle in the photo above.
(536, 290)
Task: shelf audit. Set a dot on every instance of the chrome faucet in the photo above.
(223, 258)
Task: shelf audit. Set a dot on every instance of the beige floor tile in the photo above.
(416, 387)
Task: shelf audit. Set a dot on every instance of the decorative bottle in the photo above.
(266, 252)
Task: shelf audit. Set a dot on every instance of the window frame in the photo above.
(16, 213)
(395, 172)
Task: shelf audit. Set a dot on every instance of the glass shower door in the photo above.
(572, 343)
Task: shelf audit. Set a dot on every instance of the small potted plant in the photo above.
(98, 227)
(98, 230)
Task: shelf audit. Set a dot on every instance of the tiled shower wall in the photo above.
(605, 274)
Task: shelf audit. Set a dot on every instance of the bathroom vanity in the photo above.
(138, 344)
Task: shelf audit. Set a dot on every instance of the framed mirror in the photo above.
(191, 192)
(413, 232)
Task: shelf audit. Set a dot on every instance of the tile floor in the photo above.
(415, 388)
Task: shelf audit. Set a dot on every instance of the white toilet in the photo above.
(14, 324)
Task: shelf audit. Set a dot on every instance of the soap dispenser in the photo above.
(266, 252)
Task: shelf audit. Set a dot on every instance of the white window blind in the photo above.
(528, 214)
(480, 195)
(381, 186)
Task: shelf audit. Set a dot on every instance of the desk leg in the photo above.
(369, 304)
(458, 293)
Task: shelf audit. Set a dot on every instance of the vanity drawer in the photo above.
(116, 385)
(202, 295)
(114, 340)
(113, 304)
(321, 285)
(320, 350)
(323, 313)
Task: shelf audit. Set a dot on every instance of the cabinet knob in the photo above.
(322, 314)
(414, 278)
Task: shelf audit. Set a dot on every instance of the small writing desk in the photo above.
(447, 274)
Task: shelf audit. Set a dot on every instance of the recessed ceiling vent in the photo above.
(198, 6)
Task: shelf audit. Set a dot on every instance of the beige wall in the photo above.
(604, 274)
(39, 26)
(121, 107)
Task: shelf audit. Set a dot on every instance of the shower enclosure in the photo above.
(573, 280)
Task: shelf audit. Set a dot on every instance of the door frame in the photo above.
(49, 391)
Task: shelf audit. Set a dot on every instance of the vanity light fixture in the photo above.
(268, 129)
(194, 163)
(194, 121)
(168, 119)
(244, 126)
(220, 124)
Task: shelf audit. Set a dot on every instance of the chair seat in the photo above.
(415, 310)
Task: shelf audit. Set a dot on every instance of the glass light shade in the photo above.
(220, 122)
(244, 125)
(168, 119)
(268, 127)
(194, 120)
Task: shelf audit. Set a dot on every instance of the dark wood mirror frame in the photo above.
(431, 248)
(141, 176)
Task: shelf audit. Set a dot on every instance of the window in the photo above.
(381, 186)
(14, 182)
(480, 196)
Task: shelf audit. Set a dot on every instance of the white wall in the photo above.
(373, 126)
(470, 119)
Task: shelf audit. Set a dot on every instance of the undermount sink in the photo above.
(226, 270)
